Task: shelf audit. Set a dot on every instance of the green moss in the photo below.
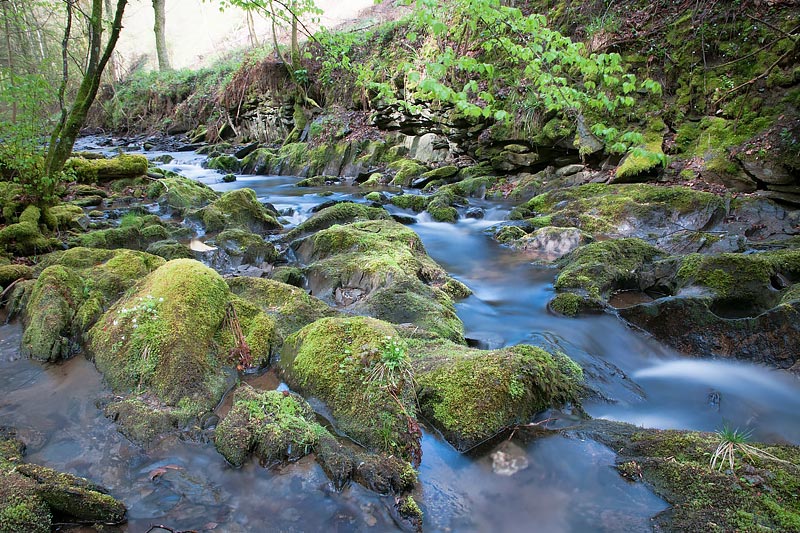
(455, 289)
(603, 266)
(181, 193)
(170, 249)
(415, 202)
(472, 395)
(94, 170)
(224, 163)
(332, 359)
(291, 307)
(792, 294)
(405, 171)
(238, 209)
(374, 196)
(259, 162)
(68, 216)
(340, 213)
(567, 303)
(648, 159)
(442, 212)
(676, 465)
(161, 336)
(252, 248)
(25, 238)
(288, 275)
(316, 181)
(273, 425)
(11, 273)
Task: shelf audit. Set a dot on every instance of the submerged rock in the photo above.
(31, 495)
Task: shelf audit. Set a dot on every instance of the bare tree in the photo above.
(161, 40)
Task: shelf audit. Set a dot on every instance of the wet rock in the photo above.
(246, 247)
(550, 243)
(768, 172)
(474, 212)
(339, 361)
(237, 209)
(508, 459)
(11, 273)
(94, 170)
(471, 395)
(181, 194)
(30, 495)
(224, 163)
(274, 426)
(339, 213)
(170, 249)
(69, 217)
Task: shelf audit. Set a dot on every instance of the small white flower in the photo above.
(116, 322)
(134, 327)
(134, 320)
(161, 299)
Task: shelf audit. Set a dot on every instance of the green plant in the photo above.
(733, 441)
(393, 368)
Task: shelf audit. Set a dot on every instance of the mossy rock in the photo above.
(415, 202)
(31, 495)
(66, 217)
(237, 209)
(472, 395)
(601, 209)
(11, 200)
(11, 273)
(160, 337)
(25, 237)
(273, 425)
(142, 421)
(406, 170)
(224, 163)
(316, 181)
(341, 213)
(637, 165)
(291, 307)
(289, 275)
(170, 249)
(49, 334)
(259, 162)
(70, 294)
(251, 248)
(410, 301)
(759, 495)
(131, 237)
(600, 267)
(332, 359)
(94, 170)
(181, 193)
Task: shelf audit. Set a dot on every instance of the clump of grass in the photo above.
(733, 441)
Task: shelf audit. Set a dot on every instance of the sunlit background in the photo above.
(198, 33)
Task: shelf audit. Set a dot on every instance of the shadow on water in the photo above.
(551, 484)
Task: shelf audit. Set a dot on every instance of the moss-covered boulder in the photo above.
(67, 217)
(237, 209)
(224, 164)
(273, 425)
(134, 237)
(161, 337)
(11, 200)
(406, 170)
(760, 494)
(600, 267)
(380, 268)
(170, 249)
(31, 495)
(247, 247)
(70, 294)
(291, 307)
(343, 362)
(341, 213)
(11, 273)
(471, 395)
(635, 210)
(181, 194)
(25, 237)
(94, 170)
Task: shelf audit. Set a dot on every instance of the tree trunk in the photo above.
(161, 39)
(68, 128)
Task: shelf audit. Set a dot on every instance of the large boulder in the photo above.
(70, 294)
(94, 170)
(358, 368)
(238, 209)
(380, 268)
(472, 395)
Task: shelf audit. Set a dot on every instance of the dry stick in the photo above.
(7, 291)
(772, 26)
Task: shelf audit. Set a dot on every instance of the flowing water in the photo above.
(552, 484)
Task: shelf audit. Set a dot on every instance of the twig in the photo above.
(759, 77)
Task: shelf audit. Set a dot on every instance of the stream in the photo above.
(563, 485)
